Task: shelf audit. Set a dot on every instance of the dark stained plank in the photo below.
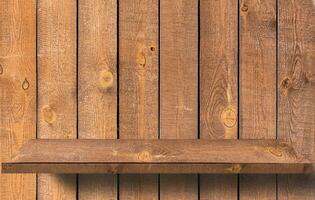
(97, 74)
(296, 89)
(17, 91)
(145, 168)
(57, 87)
(218, 87)
(138, 86)
(257, 86)
(179, 86)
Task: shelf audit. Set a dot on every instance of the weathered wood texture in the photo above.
(97, 82)
(145, 168)
(17, 92)
(138, 86)
(179, 86)
(257, 86)
(124, 99)
(296, 90)
(57, 92)
(218, 87)
(158, 151)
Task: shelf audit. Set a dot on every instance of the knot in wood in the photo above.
(244, 8)
(275, 151)
(25, 84)
(144, 156)
(286, 83)
(228, 117)
(48, 114)
(236, 168)
(106, 79)
(141, 59)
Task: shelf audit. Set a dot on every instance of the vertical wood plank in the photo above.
(218, 87)
(97, 84)
(17, 91)
(57, 92)
(296, 96)
(257, 86)
(179, 86)
(138, 86)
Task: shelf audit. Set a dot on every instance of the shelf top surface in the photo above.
(45, 152)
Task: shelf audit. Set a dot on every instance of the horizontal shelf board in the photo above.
(157, 156)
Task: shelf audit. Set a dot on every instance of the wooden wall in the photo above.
(200, 69)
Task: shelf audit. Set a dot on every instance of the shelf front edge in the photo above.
(157, 156)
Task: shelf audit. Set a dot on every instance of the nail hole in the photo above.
(1, 69)
(152, 48)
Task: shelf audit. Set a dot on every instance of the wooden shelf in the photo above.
(157, 156)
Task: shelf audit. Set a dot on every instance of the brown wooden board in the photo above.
(257, 86)
(158, 151)
(17, 91)
(296, 90)
(138, 86)
(179, 86)
(57, 91)
(218, 87)
(97, 82)
(161, 168)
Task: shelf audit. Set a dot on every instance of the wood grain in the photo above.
(17, 92)
(158, 151)
(174, 168)
(296, 90)
(257, 86)
(179, 86)
(97, 75)
(138, 86)
(218, 86)
(57, 87)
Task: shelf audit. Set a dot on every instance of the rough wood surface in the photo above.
(17, 91)
(296, 90)
(179, 86)
(158, 151)
(97, 74)
(138, 86)
(157, 156)
(57, 87)
(145, 168)
(218, 87)
(257, 86)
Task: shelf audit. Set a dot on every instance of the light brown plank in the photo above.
(97, 75)
(17, 91)
(138, 86)
(257, 86)
(218, 87)
(296, 89)
(158, 151)
(57, 86)
(179, 86)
